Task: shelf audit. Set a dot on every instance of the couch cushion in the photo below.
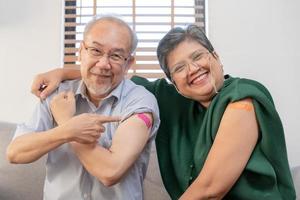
(153, 186)
(18, 182)
(296, 178)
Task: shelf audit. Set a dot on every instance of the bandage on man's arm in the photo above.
(146, 119)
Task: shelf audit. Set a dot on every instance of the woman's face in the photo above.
(196, 73)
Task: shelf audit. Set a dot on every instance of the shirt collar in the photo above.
(115, 93)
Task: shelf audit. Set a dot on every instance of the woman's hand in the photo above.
(45, 83)
(63, 107)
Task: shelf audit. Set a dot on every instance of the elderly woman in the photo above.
(220, 137)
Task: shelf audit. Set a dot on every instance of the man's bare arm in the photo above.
(110, 165)
(30, 147)
(84, 128)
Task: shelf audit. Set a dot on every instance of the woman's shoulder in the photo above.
(243, 87)
(242, 82)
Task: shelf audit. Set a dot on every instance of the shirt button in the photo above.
(191, 178)
(191, 166)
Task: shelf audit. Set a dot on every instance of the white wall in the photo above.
(260, 40)
(30, 42)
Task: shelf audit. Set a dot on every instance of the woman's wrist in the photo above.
(69, 74)
(59, 73)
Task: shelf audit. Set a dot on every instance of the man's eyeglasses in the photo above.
(114, 58)
(198, 58)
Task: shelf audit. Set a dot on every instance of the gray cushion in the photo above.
(296, 178)
(18, 182)
(153, 186)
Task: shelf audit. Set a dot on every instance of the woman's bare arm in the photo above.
(45, 83)
(230, 152)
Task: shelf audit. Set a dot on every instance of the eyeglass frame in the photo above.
(178, 68)
(102, 53)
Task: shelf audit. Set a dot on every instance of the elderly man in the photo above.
(97, 132)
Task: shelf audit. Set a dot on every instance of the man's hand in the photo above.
(45, 83)
(86, 128)
(63, 107)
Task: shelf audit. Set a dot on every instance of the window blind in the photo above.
(151, 20)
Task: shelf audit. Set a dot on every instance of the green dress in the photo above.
(187, 132)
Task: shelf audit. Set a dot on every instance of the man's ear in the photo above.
(130, 62)
(79, 52)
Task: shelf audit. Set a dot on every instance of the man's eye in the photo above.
(116, 57)
(95, 51)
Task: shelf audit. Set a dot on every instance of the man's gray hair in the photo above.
(116, 19)
(174, 37)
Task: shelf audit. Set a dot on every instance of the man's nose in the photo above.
(103, 62)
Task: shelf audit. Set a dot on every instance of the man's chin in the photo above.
(100, 91)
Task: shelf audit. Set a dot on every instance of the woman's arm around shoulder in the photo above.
(45, 83)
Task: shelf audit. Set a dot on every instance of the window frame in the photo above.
(151, 70)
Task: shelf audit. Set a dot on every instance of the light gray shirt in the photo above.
(66, 178)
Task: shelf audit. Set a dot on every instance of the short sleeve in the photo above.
(41, 120)
(142, 101)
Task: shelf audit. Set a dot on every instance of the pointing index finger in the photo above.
(107, 119)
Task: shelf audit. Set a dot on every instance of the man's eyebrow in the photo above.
(97, 43)
(121, 50)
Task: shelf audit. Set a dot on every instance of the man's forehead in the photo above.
(116, 36)
(106, 26)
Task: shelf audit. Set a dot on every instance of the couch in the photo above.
(25, 182)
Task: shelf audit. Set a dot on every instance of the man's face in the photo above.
(105, 57)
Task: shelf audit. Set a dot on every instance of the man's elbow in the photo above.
(11, 155)
(110, 178)
(16, 156)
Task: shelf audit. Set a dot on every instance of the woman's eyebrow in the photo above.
(192, 55)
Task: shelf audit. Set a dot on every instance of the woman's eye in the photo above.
(179, 68)
(197, 57)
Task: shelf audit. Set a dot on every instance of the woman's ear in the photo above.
(215, 55)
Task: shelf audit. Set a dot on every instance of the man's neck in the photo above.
(96, 99)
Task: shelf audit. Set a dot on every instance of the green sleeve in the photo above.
(149, 85)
